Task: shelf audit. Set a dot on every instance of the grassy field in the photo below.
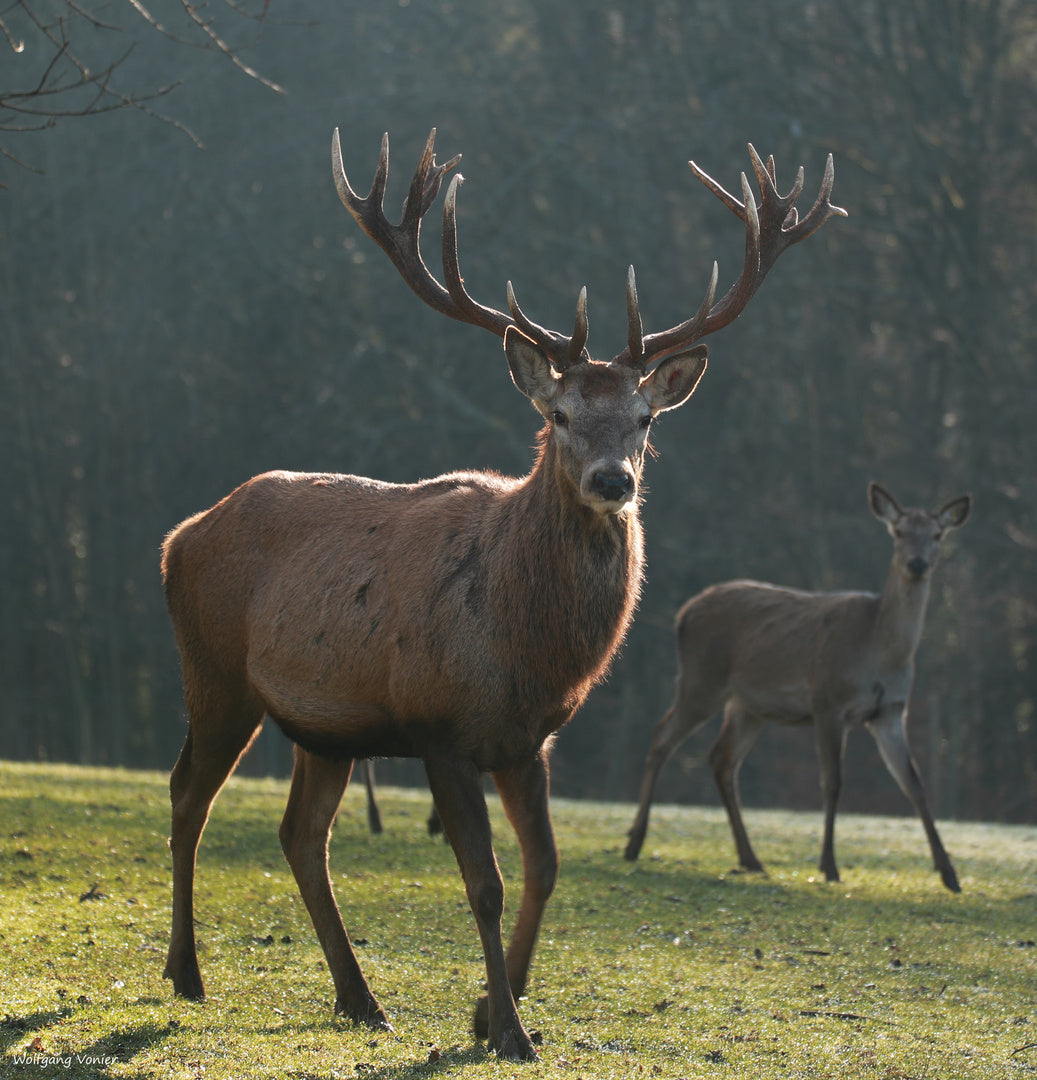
(671, 967)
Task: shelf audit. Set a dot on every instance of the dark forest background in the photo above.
(177, 319)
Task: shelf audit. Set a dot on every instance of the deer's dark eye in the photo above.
(645, 422)
(559, 418)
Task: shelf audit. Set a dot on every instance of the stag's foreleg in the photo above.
(313, 801)
(737, 735)
(457, 791)
(890, 733)
(830, 735)
(524, 796)
(220, 732)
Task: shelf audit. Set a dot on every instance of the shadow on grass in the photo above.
(439, 1063)
(15, 1028)
(95, 1061)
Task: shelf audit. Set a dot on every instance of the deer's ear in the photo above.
(674, 380)
(954, 514)
(882, 504)
(531, 370)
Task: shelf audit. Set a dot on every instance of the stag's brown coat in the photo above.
(461, 620)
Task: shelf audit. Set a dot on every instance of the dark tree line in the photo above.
(176, 321)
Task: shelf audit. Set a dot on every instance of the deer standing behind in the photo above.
(836, 660)
(461, 620)
(374, 813)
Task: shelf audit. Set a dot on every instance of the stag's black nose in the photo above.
(918, 565)
(612, 486)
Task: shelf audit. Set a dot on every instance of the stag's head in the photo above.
(917, 534)
(598, 413)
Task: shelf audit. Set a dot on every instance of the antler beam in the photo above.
(770, 228)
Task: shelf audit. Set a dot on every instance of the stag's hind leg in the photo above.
(457, 789)
(219, 733)
(890, 733)
(735, 740)
(524, 796)
(317, 788)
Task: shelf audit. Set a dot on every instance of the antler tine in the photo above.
(468, 309)
(563, 352)
(635, 350)
(424, 185)
(822, 209)
(581, 328)
(769, 230)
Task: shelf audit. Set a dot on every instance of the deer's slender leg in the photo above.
(524, 796)
(831, 743)
(689, 711)
(219, 733)
(890, 733)
(374, 815)
(317, 787)
(457, 790)
(735, 740)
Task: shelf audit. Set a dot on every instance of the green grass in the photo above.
(671, 967)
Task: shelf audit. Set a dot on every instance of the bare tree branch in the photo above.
(69, 82)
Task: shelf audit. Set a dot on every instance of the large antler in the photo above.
(400, 242)
(769, 230)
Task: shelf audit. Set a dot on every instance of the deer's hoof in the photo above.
(514, 1045)
(186, 984)
(369, 1013)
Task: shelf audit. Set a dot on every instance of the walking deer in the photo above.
(836, 660)
(461, 620)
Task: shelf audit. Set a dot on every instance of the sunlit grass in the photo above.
(671, 967)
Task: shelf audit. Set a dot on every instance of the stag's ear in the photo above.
(883, 505)
(674, 380)
(954, 514)
(531, 371)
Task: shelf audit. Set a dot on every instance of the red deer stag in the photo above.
(836, 660)
(461, 620)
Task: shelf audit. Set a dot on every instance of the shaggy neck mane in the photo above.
(571, 583)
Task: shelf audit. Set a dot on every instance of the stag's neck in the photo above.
(581, 570)
(901, 616)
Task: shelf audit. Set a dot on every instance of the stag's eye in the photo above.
(645, 422)
(559, 417)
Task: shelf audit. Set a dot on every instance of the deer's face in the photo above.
(917, 534)
(599, 415)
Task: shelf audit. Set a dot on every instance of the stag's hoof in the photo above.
(369, 1013)
(511, 1042)
(186, 984)
(741, 868)
(950, 879)
(514, 1045)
